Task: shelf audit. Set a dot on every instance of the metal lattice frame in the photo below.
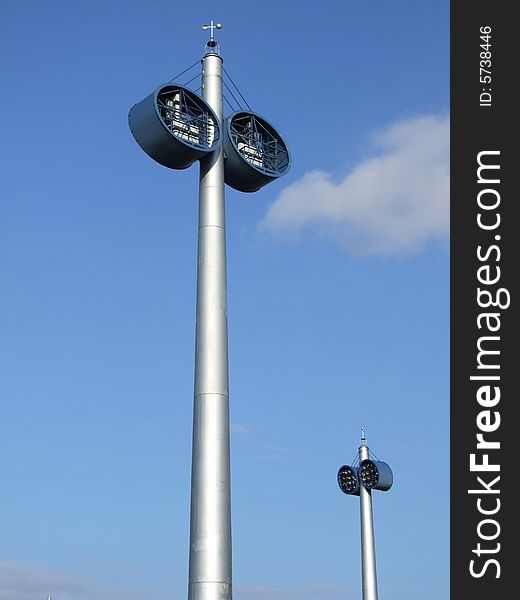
(186, 118)
(258, 145)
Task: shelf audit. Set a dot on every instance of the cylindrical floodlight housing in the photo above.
(174, 126)
(348, 480)
(255, 153)
(376, 475)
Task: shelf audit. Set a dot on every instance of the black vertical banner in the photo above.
(485, 267)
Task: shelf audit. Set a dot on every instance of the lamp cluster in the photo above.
(371, 474)
(176, 127)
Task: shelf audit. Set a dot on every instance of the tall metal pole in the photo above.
(368, 551)
(210, 521)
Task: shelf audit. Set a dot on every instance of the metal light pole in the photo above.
(176, 128)
(210, 521)
(368, 550)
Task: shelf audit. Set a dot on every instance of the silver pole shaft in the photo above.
(368, 551)
(210, 523)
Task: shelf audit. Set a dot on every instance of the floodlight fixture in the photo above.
(256, 154)
(348, 480)
(376, 475)
(175, 126)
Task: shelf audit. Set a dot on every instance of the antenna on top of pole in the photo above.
(212, 26)
(363, 438)
(212, 46)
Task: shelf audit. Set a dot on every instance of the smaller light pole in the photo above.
(359, 481)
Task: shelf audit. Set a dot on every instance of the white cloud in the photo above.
(272, 452)
(309, 592)
(239, 428)
(23, 582)
(392, 202)
(28, 582)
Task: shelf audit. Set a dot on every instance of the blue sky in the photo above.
(338, 300)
